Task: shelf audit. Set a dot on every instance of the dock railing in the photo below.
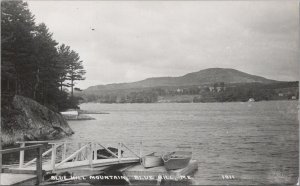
(84, 151)
(39, 150)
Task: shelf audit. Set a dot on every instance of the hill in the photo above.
(209, 85)
(202, 77)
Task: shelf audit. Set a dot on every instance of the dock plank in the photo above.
(13, 179)
(81, 164)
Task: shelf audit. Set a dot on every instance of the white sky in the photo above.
(134, 40)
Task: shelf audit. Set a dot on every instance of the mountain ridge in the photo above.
(202, 77)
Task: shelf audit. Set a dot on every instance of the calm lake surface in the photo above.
(257, 142)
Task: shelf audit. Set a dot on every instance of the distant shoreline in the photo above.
(218, 92)
(194, 102)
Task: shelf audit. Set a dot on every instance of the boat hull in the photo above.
(177, 163)
(151, 161)
(177, 160)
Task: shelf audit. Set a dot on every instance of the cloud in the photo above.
(123, 41)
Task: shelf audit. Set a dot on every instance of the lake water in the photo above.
(257, 142)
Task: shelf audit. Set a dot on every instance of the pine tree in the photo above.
(64, 60)
(46, 64)
(17, 28)
(31, 63)
(75, 70)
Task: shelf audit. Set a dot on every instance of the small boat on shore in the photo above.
(177, 159)
(151, 160)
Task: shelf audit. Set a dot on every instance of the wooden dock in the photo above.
(84, 164)
(84, 158)
(29, 178)
(84, 161)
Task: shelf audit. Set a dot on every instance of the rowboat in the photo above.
(151, 160)
(177, 159)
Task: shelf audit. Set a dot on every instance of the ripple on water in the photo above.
(252, 143)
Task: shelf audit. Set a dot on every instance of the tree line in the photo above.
(217, 92)
(34, 64)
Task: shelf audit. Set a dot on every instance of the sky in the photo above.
(127, 41)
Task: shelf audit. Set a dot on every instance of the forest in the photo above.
(33, 64)
(215, 92)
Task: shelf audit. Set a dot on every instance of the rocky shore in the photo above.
(27, 120)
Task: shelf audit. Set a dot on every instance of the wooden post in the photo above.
(21, 163)
(39, 170)
(95, 151)
(85, 154)
(32, 161)
(119, 151)
(0, 153)
(53, 157)
(64, 152)
(90, 155)
(78, 157)
(141, 149)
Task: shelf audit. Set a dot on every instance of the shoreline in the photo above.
(74, 115)
(189, 102)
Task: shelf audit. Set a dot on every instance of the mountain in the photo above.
(207, 76)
